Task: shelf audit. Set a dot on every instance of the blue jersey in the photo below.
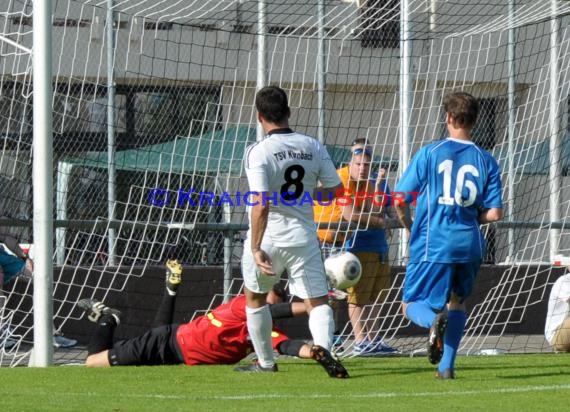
(372, 239)
(456, 180)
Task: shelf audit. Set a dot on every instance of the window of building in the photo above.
(484, 133)
(15, 112)
(380, 20)
(144, 115)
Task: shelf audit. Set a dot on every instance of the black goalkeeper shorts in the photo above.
(158, 346)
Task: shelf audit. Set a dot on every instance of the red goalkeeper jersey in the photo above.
(219, 337)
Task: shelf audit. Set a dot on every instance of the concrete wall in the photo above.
(141, 297)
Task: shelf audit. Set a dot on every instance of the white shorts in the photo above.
(303, 264)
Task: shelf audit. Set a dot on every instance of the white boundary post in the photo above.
(42, 176)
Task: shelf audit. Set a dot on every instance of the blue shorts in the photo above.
(433, 283)
(11, 265)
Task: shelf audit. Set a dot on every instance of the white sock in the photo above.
(259, 326)
(321, 325)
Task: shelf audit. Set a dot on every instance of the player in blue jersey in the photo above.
(460, 188)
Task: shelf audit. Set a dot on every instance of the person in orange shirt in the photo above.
(366, 203)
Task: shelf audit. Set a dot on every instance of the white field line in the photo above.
(370, 395)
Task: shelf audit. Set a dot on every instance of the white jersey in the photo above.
(288, 165)
(558, 306)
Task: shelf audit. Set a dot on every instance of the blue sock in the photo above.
(456, 320)
(420, 313)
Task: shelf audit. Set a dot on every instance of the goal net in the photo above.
(154, 107)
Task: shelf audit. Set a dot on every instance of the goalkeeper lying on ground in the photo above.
(219, 337)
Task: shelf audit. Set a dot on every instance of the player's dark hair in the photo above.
(271, 103)
(463, 108)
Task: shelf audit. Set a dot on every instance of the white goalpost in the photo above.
(153, 107)
(43, 184)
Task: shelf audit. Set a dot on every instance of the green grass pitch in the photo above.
(493, 383)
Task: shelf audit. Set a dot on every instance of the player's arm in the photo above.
(255, 169)
(404, 215)
(491, 215)
(492, 210)
(391, 218)
(401, 207)
(411, 184)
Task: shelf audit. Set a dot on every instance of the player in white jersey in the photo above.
(284, 171)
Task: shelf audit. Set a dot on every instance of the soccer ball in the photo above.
(343, 270)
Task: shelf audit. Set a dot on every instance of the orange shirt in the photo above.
(333, 213)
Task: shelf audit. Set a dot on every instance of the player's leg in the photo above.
(456, 320)
(157, 346)
(298, 348)
(165, 311)
(426, 290)
(321, 321)
(334, 368)
(308, 282)
(415, 306)
(463, 280)
(101, 341)
(259, 324)
(259, 321)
